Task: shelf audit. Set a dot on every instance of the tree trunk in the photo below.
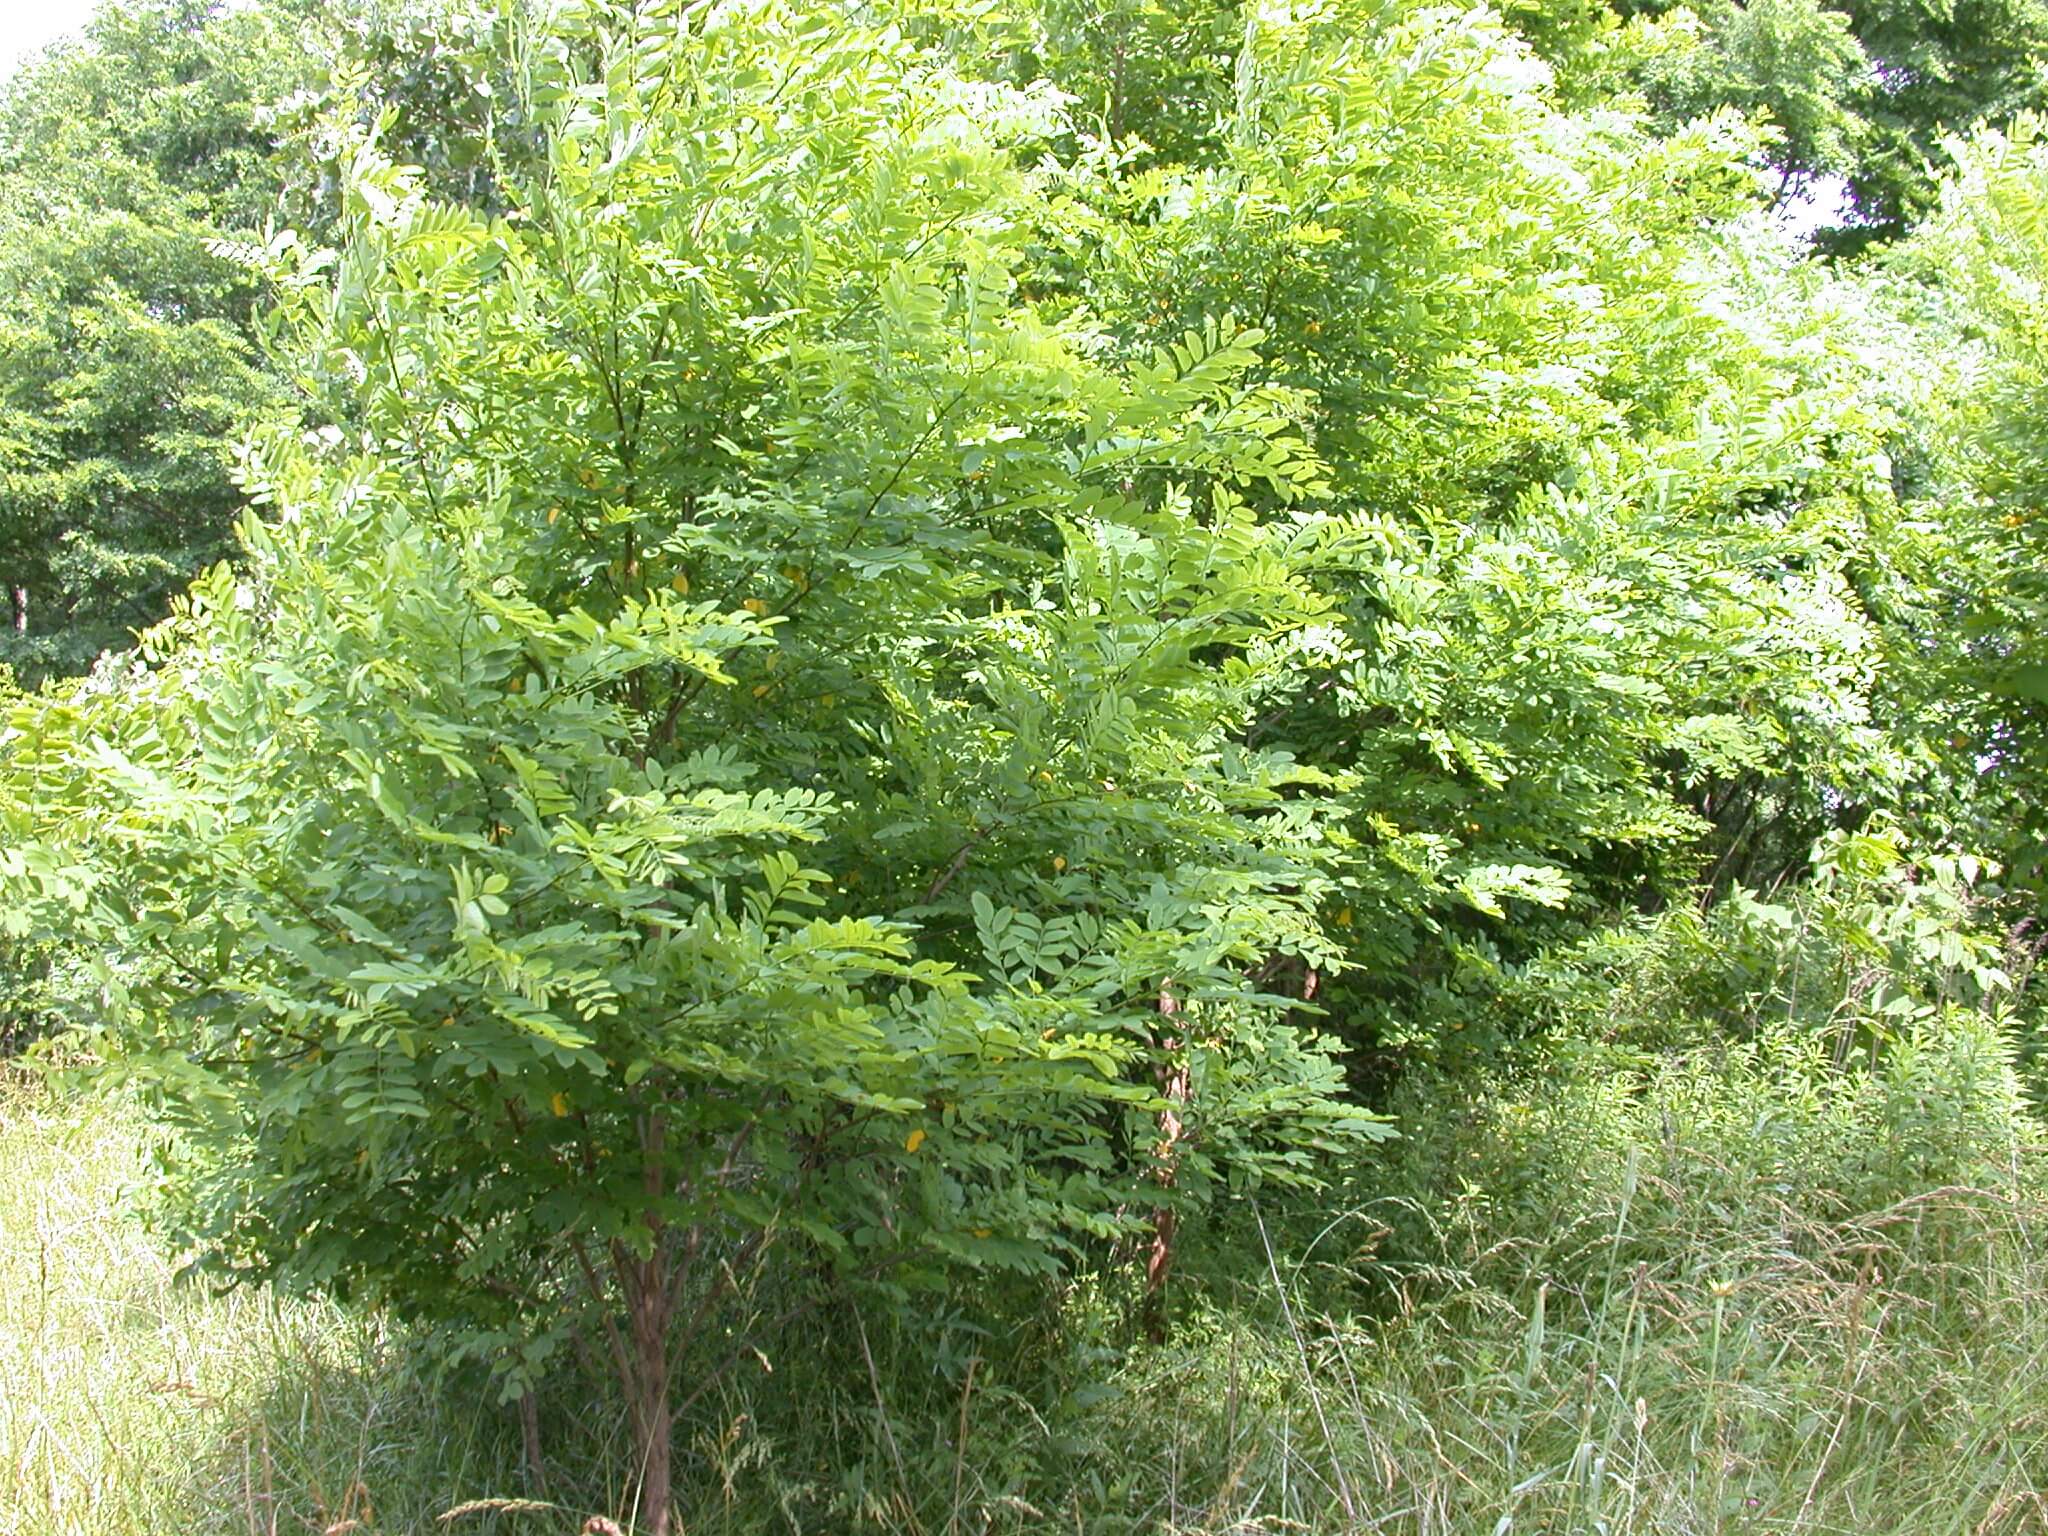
(654, 1427)
(529, 1444)
(648, 1287)
(1174, 1086)
(647, 1303)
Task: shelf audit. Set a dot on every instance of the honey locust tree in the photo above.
(1977, 269)
(1631, 586)
(726, 741)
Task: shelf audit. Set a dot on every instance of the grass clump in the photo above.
(1737, 1291)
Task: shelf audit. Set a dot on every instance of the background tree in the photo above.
(1938, 68)
(130, 364)
(1867, 91)
(125, 346)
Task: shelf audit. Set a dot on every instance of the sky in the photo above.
(1822, 203)
(26, 25)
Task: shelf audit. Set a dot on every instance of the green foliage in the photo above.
(1633, 582)
(730, 736)
(845, 634)
(125, 367)
(1874, 946)
(1140, 72)
(1977, 270)
(1942, 67)
(1864, 89)
(129, 363)
(1794, 63)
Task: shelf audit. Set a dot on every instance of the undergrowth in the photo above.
(1739, 1289)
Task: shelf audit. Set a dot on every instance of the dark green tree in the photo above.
(1938, 67)
(130, 365)
(127, 369)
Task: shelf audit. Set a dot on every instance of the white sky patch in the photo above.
(1822, 203)
(27, 26)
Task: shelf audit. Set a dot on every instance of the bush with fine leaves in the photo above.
(727, 738)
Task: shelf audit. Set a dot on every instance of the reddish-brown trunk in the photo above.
(647, 1310)
(649, 1290)
(1173, 1086)
(529, 1444)
(654, 1427)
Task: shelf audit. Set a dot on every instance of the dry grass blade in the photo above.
(498, 1507)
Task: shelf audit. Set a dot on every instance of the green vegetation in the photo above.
(983, 770)
(1739, 1293)
(129, 356)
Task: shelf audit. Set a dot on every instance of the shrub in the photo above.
(728, 740)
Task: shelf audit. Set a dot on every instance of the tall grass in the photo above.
(132, 1402)
(1740, 1290)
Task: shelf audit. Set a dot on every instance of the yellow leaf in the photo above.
(553, 513)
(761, 690)
(1059, 863)
(755, 606)
(981, 1232)
(559, 1105)
(1344, 918)
(797, 577)
(682, 582)
(826, 700)
(914, 1140)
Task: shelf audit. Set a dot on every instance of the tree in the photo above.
(822, 682)
(1975, 272)
(1940, 67)
(1629, 595)
(126, 368)
(1863, 89)
(1795, 63)
(729, 737)
(129, 363)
